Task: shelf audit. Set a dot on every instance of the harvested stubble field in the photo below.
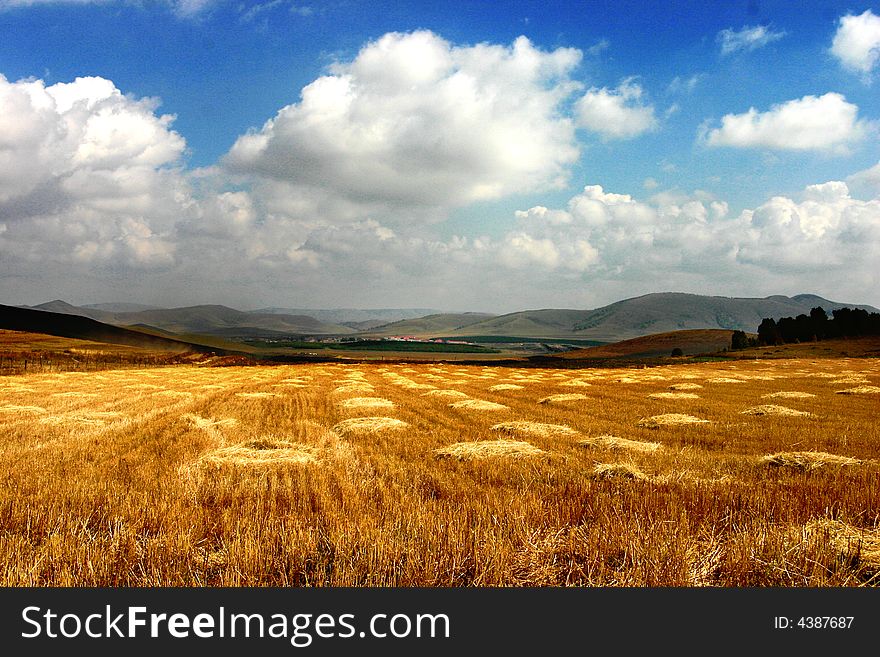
(266, 476)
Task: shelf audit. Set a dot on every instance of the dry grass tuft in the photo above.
(853, 543)
(576, 383)
(534, 429)
(673, 395)
(478, 405)
(505, 386)
(860, 390)
(349, 388)
(685, 386)
(367, 425)
(12, 408)
(773, 409)
(366, 402)
(724, 379)
(618, 471)
(806, 461)
(456, 394)
(623, 444)
(256, 395)
(790, 394)
(484, 449)
(670, 419)
(261, 452)
(565, 397)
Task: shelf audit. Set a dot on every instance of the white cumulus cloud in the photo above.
(819, 123)
(856, 43)
(746, 39)
(416, 121)
(616, 113)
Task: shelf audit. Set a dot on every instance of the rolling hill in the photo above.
(692, 341)
(430, 325)
(205, 319)
(84, 328)
(651, 313)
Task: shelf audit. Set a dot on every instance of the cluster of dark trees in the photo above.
(843, 323)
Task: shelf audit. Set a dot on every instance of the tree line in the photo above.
(843, 323)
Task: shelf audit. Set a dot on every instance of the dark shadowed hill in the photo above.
(692, 341)
(652, 313)
(206, 319)
(85, 328)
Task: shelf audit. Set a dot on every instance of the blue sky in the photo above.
(627, 96)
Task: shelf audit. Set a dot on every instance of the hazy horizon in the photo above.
(465, 157)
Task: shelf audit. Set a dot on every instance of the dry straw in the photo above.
(669, 419)
(853, 543)
(685, 386)
(505, 386)
(577, 383)
(366, 402)
(256, 395)
(484, 449)
(535, 429)
(621, 444)
(773, 409)
(262, 452)
(789, 394)
(368, 425)
(860, 390)
(673, 395)
(806, 461)
(12, 408)
(456, 394)
(566, 397)
(618, 471)
(478, 405)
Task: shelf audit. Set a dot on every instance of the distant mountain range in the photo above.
(630, 318)
(651, 313)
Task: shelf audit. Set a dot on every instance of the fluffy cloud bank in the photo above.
(820, 123)
(86, 173)
(856, 43)
(416, 121)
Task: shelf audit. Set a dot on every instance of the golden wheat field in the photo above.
(439, 474)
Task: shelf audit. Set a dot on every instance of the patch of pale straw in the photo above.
(853, 543)
(623, 444)
(256, 395)
(673, 395)
(368, 425)
(618, 471)
(562, 398)
(670, 419)
(505, 386)
(685, 386)
(859, 390)
(262, 452)
(457, 394)
(773, 409)
(806, 461)
(724, 379)
(535, 429)
(576, 383)
(12, 408)
(478, 405)
(366, 402)
(789, 394)
(484, 449)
